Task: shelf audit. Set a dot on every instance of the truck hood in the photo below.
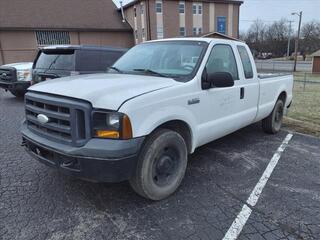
(20, 66)
(105, 91)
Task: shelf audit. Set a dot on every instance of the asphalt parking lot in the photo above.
(37, 202)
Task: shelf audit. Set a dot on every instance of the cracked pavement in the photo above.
(37, 202)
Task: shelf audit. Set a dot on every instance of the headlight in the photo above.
(112, 125)
(24, 75)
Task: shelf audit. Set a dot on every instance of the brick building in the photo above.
(154, 19)
(26, 25)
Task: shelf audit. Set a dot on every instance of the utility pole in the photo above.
(297, 41)
(289, 39)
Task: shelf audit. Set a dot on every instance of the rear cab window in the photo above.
(246, 62)
(56, 60)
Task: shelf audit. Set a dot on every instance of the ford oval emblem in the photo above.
(42, 118)
(4, 75)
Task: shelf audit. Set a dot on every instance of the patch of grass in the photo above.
(304, 113)
(301, 76)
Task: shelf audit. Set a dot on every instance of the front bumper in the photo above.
(20, 86)
(100, 160)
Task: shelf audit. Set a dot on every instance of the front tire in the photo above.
(161, 166)
(18, 94)
(272, 124)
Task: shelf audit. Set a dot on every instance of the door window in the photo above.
(246, 63)
(222, 59)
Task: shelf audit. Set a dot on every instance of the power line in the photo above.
(260, 20)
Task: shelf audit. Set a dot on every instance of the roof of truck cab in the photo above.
(83, 47)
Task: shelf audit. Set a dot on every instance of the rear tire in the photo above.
(272, 124)
(161, 166)
(18, 94)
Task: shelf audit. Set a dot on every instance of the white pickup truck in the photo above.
(156, 105)
(16, 77)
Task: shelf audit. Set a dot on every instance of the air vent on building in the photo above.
(52, 37)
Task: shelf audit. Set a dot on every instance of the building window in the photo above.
(52, 37)
(194, 31)
(135, 11)
(200, 31)
(194, 8)
(136, 34)
(199, 9)
(181, 7)
(143, 34)
(158, 7)
(159, 32)
(182, 31)
(141, 8)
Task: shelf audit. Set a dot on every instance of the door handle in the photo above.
(242, 93)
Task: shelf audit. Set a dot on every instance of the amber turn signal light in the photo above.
(107, 134)
(126, 128)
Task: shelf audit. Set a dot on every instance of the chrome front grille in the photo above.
(68, 119)
(8, 74)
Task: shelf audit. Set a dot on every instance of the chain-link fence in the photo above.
(306, 78)
(282, 66)
(303, 75)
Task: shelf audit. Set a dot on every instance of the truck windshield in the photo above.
(175, 59)
(56, 60)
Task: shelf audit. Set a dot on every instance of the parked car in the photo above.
(158, 104)
(66, 60)
(16, 77)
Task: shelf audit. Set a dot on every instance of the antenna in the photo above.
(122, 13)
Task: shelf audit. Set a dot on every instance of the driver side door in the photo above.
(220, 114)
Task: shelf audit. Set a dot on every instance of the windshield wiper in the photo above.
(116, 69)
(149, 71)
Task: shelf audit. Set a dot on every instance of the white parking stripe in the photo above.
(238, 224)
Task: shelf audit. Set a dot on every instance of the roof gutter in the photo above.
(65, 29)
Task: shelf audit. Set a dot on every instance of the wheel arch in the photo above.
(283, 96)
(180, 126)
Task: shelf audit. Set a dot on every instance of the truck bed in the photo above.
(272, 75)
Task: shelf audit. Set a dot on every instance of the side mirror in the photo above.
(221, 79)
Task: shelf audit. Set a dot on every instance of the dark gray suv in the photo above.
(66, 60)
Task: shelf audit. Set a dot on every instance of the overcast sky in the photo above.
(272, 10)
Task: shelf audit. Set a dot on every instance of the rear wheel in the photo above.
(161, 166)
(272, 124)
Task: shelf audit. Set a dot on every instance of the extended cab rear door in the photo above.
(249, 84)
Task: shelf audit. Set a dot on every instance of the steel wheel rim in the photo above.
(165, 167)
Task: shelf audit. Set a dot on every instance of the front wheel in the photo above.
(272, 124)
(161, 166)
(18, 94)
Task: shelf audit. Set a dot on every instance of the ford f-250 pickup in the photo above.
(157, 104)
(16, 77)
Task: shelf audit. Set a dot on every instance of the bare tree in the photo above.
(273, 38)
(310, 33)
(276, 38)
